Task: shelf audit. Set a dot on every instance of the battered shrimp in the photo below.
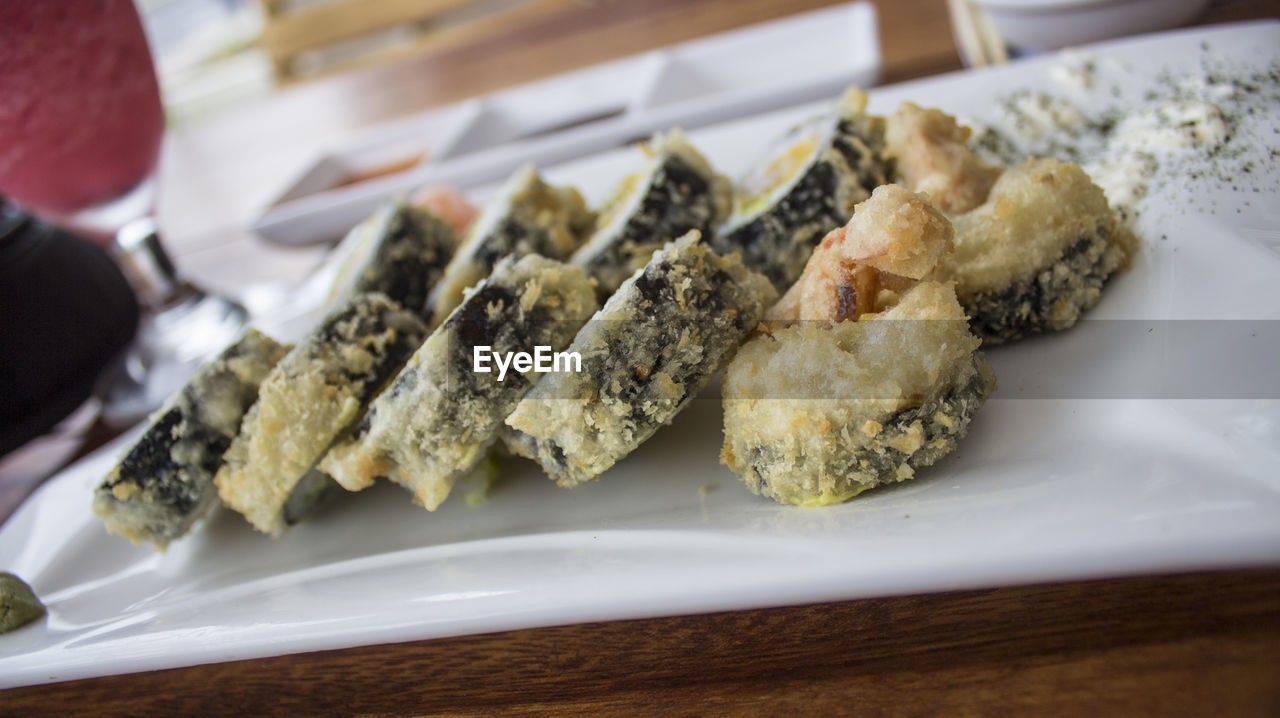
(932, 158)
(447, 204)
(895, 239)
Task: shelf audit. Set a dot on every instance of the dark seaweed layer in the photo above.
(149, 465)
(658, 300)
(1027, 307)
(778, 240)
(861, 143)
(363, 317)
(472, 325)
(410, 259)
(958, 404)
(678, 199)
(789, 229)
(174, 489)
(489, 316)
(716, 312)
(516, 239)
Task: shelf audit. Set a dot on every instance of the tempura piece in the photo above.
(674, 192)
(645, 355)
(164, 484)
(400, 251)
(312, 397)
(439, 415)
(1036, 254)
(931, 158)
(528, 216)
(1034, 244)
(864, 372)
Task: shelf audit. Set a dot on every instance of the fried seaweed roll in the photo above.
(676, 191)
(1034, 244)
(1037, 253)
(400, 251)
(805, 186)
(164, 484)
(434, 421)
(528, 216)
(865, 372)
(313, 396)
(652, 347)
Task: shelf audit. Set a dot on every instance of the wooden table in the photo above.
(1202, 644)
(1199, 645)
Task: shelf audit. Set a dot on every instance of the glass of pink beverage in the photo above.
(80, 110)
(81, 125)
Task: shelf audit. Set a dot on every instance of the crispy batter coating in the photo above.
(865, 371)
(933, 159)
(893, 235)
(1035, 256)
(645, 355)
(1034, 244)
(164, 484)
(816, 412)
(676, 191)
(438, 416)
(528, 216)
(313, 396)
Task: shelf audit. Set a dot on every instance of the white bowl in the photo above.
(1040, 25)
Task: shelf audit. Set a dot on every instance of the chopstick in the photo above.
(979, 42)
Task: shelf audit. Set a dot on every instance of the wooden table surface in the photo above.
(1202, 644)
(1197, 645)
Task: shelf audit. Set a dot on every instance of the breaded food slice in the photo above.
(400, 251)
(1036, 254)
(648, 352)
(528, 216)
(164, 484)
(674, 192)
(435, 420)
(815, 414)
(313, 396)
(864, 372)
(804, 186)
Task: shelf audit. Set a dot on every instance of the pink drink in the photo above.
(80, 114)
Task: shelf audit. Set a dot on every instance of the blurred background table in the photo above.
(1199, 644)
(216, 173)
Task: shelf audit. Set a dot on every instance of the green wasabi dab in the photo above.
(18, 603)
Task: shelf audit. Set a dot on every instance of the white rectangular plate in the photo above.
(1052, 488)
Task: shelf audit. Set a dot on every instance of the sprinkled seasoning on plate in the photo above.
(1178, 136)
